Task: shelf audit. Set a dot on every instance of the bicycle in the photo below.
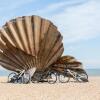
(44, 76)
(68, 73)
(21, 77)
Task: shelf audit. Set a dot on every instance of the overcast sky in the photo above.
(77, 20)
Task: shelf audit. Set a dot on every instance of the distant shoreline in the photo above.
(93, 72)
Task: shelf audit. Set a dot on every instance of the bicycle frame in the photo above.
(21, 73)
(72, 73)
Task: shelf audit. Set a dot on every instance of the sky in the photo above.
(77, 20)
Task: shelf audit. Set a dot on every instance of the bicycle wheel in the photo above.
(12, 77)
(63, 79)
(34, 81)
(52, 78)
(82, 77)
(37, 77)
(26, 78)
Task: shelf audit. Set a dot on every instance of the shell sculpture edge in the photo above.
(29, 41)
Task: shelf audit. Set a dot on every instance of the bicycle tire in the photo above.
(82, 77)
(25, 79)
(10, 76)
(50, 81)
(65, 78)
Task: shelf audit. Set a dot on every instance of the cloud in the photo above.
(80, 22)
(58, 6)
(13, 8)
(12, 4)
(52, 8)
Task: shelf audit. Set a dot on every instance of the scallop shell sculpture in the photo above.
(69, 61)
(28, 42)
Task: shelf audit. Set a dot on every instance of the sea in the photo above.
(90, 72)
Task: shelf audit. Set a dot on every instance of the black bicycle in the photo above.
(44, 76)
